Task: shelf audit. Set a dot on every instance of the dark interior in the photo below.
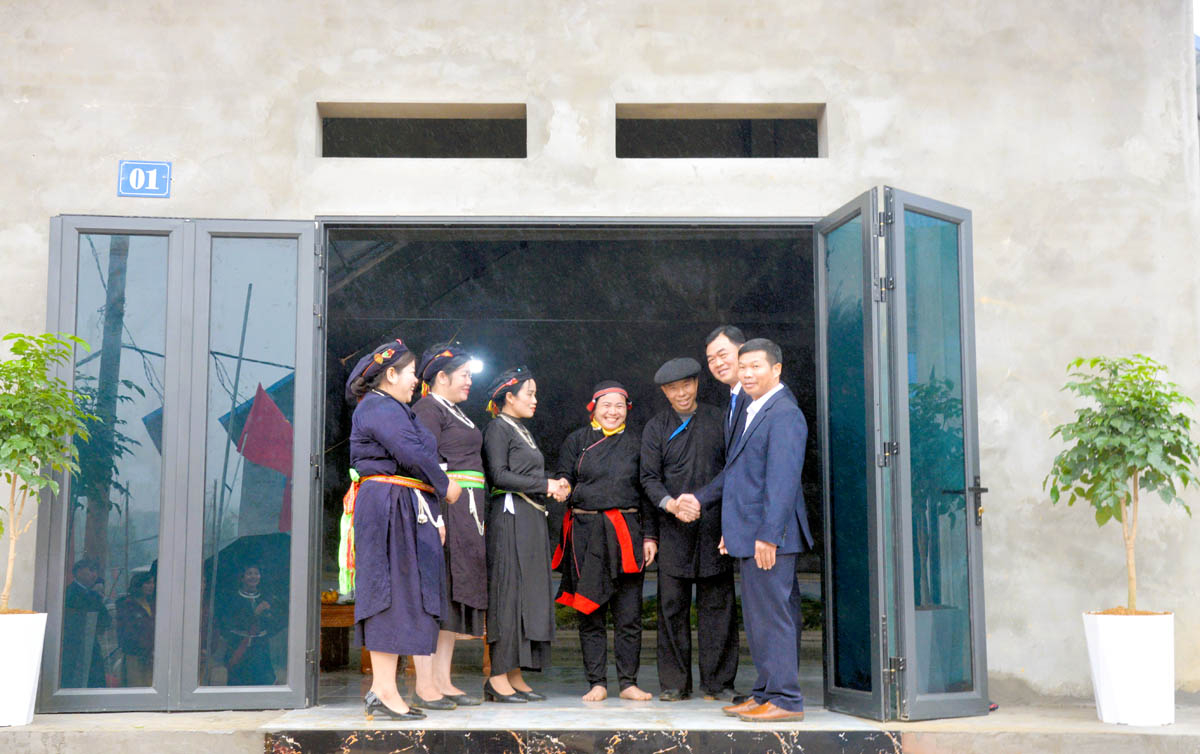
(577, 304)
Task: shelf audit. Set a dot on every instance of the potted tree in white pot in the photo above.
(40, 418)
(1130, 443)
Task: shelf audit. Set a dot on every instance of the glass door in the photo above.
(939, 515)
(249, 522)
(851, 391)
(179, 572)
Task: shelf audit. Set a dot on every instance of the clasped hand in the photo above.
(686, 507)
(559, 489)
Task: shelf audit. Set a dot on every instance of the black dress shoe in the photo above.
(374, 706)
(492, 695)
(462, 700)
(437, 704)
(727, 694)
(673, 695)
(530, 696)
(739, 698)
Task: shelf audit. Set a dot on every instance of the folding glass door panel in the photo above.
(179, 573)
(246, 610)
(105, 538)
(850, 396)
(936, 472)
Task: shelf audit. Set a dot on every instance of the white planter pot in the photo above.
(21, 637)
(1133, 667)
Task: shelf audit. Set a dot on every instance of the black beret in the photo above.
(677, 369)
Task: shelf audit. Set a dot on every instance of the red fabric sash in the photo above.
(625, 540)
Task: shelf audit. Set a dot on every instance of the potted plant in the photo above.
(1130, 443)
(40, 418)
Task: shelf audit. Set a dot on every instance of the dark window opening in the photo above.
(716, 137)
(414, 131)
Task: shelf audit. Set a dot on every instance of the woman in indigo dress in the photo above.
(398, 538)
(520, 614)
(446, 372)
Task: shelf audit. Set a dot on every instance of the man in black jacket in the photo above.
(683, 448)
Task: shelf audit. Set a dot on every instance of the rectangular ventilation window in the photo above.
(462, 130)
(691, 130)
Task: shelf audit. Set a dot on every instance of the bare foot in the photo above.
(518, 682)
(636, 694)
(598, 694)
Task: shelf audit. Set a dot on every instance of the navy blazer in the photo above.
(762, 496)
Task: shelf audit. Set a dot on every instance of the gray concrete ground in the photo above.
(1065, 727)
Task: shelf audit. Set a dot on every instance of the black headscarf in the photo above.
(508, 381)
(374, 363)
(444, 357)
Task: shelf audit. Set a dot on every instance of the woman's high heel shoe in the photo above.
(530, 696)
(375, 706)
(492, 695)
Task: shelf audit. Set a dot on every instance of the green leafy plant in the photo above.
(1130, 441)
(40, 417)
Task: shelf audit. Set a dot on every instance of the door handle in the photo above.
(976, 491)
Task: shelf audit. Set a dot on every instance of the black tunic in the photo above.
(521, 616)
(674, 461)
(459, 447)
(597, 549)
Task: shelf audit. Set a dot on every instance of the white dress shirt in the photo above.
(757, 404)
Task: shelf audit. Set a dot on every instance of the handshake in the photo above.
(686, 507)
(559, 489)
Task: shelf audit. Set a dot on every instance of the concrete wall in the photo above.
(1069, 129)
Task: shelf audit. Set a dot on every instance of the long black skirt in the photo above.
(520, 606)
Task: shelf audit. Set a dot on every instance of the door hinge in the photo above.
(889, 449)
(880, 287)
(885, 218)
(315, 461)
(319, 316)
(310, 657)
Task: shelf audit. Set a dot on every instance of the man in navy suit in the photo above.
(764, 526)
(721, 351)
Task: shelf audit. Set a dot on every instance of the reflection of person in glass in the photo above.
(604, 554)
(520, 614)
(446, 372)
(85, 618)
(397, 538)
(135, 630)
(247, 620)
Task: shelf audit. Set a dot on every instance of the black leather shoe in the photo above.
(530, 696)
(437, 704)
(727, 694)
(376, 707)
(673, 695)
(490, 694)
(462, 700)
(739, 698)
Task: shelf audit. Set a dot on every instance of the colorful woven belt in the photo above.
(468, 479)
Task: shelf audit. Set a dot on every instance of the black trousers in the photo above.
(716, 630)
(626, 607)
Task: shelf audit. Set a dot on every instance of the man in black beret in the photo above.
(683, 448)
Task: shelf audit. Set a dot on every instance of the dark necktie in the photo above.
(732, 409)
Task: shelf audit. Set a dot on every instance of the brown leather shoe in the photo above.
(733, 710)
(769, 713)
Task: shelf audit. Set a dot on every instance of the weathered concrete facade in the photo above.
(1068, 128)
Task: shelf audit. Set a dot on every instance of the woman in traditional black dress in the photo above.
(398, 540)
(446, 372)
(521, 615)
(248, 618)
(604, 554)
